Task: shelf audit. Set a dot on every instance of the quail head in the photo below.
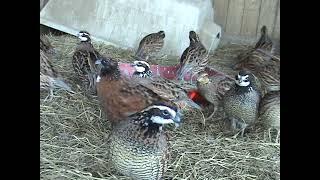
(83, 62)
(138, 143)
(142, 69)
(241, 102)
(150, 46)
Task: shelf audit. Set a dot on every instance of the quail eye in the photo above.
(166, 113)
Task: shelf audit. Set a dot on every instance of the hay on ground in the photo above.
(74, 132)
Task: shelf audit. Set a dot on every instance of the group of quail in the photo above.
(140, 106)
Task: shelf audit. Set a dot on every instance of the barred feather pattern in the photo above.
(269, 110)
(83, 62)
(150, 45)
(196, 59)
(138, 152)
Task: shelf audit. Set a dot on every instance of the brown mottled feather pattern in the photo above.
(49, 77)
(213, 89)
(121, 97)
(266, 70)
(264, 41)
(150, 45)
(136, 154)
(167, 88)
(194, 56)
(83, 62)
(269, 110)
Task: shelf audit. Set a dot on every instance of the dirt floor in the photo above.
(74, 132)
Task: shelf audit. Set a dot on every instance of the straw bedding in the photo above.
(74, 132)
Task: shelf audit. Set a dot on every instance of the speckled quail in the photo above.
(267, 71)
(83, 62)
(142, 69)
(138, 144)
(150, 46)
(241, 102)
(269, 111)
(213, 89)
(194, 58)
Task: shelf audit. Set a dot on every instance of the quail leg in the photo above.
(215, 108)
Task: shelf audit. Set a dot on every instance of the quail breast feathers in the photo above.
(138, 144)
(241, 102)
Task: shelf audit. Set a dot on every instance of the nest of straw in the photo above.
(74, 132)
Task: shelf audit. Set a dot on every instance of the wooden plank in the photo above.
(276, 29)
(234, 18)
(220, 12)
(267, 15)
(250, 17)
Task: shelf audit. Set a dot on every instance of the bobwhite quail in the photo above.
(142, 69)
(121, 96)
(50, 79)
(83, 62)
(267, 71)
(150, 46)
(175, 91)
(46, 46)
(241, 102)
(269, 112)
(194, 58)
(213, 89)
(138, 143)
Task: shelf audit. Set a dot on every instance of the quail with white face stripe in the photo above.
(83, 62)
(138, 144)
(142, 69)
(241, 102)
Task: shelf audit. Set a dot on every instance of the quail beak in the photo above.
(177, 119)
(132, 65)
(98, 62)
